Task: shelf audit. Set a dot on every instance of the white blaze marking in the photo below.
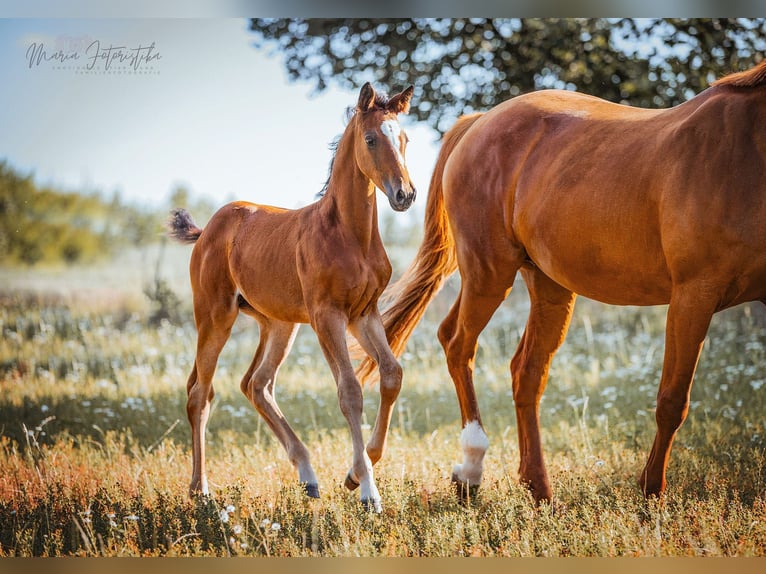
(392, 131)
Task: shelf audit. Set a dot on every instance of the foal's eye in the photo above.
(369, 140)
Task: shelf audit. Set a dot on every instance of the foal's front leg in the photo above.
(330, 326)
(371, 334)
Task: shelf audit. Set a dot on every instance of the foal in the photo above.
(325, 265)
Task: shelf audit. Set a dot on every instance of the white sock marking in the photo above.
(475, 443)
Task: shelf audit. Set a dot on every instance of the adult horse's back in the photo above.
(623, 205)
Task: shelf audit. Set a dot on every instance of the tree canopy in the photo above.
(459, 65)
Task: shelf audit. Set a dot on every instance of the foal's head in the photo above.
(379, 144)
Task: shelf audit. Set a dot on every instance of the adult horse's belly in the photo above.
(626, 268)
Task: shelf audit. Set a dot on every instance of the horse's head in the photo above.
(380, 144)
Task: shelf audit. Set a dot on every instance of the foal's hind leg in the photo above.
(276, 339)
(371, 334)
(547, 325)
(214, 320)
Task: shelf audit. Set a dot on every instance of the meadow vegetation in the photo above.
(95, 449)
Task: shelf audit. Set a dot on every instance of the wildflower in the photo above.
(131, 517)
(276, 526)
(265, 523)
(230, 508)
(237, 529)
(224, 516)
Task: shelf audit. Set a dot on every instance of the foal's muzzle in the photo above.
(400, 195)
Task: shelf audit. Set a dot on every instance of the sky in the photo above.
(200, 107)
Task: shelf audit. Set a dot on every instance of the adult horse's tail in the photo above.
(434, 262)
(181, 226)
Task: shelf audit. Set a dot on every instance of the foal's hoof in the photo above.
(350, 483)
(311, 489)
(372, 505)
(465, 492)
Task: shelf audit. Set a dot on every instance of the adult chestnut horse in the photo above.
(323, 264)
(622, 205)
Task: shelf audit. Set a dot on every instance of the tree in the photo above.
(40, 225)
(459, 65)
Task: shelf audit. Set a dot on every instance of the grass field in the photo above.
(95, 447)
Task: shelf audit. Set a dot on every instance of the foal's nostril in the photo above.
(400, 197)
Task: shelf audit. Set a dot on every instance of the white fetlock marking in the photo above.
(367, 488)
(475, 443)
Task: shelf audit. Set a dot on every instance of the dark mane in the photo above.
(334, 147)
(751, 78)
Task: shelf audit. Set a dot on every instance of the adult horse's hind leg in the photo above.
(276, 339)
(480, 296)
(330, 326)
(688, 319)
(371, 334)
(214, 318)
(551, 309)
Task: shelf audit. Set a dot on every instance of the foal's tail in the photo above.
(181, 226)
(434, 262)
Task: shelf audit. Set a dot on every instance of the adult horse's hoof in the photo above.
(372, 505)
(350, 483)
(465, 492)
(311, 489)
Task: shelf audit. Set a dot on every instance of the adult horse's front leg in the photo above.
(370, 333)
(330, 326)
(688, 319)
(551, 309)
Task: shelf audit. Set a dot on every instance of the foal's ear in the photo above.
(366, 97)
(400, 103)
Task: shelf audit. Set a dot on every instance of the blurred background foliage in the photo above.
(459, 65)
(44, 225)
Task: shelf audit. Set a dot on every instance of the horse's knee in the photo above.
(671, 411)
(350, 396)
(198, 392)
(390, 379)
